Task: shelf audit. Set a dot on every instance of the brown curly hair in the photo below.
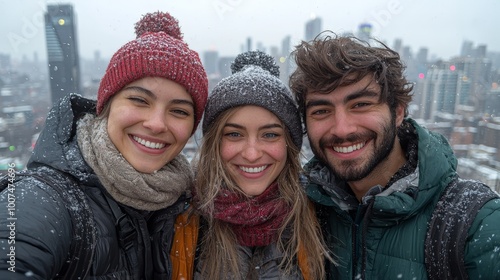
(331, 61)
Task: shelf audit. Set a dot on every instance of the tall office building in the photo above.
(365, 32)
(210, 59)
(467, 47)
(313, 28)
(286, 63)
(437, 93)
(398, 44)
(249, 44)
(62, 50)
(477, 77)
(422, 55)
(225, 66)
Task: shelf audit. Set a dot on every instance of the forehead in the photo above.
(162, 86)
(252, 114)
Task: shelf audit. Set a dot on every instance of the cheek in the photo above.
(123, 116)
(116, 125)
(279, 155)
(278, 152)
(315, 129)
(181, 130)
(228, 150)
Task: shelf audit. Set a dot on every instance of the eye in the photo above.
(319, 112)
(232, 134)
(181, 112)
(362, 104)
(271, 135)
(137, 99)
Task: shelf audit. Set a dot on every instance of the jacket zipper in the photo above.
(361, 217)
(355, 227)
(354, 254)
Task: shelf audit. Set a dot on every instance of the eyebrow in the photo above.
(182, 101)
(153, 96)
(362, 93)
(267, 126)
(319, 102)
(366, 92)
(141, 89)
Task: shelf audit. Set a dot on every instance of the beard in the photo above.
(357, 169)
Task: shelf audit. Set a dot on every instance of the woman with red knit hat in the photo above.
(107, 179)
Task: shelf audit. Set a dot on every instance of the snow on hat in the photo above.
(255, 81)
(158, 51)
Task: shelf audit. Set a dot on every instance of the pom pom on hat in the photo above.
(255, 58)
(158, 22)
(158, 51)
(255, 81)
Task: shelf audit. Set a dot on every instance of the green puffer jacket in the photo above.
(383, 236)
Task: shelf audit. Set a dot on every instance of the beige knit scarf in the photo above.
(139, 190)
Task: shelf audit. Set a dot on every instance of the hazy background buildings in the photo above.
(456, 78)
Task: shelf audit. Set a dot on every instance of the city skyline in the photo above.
(207, 25)
(457, 94)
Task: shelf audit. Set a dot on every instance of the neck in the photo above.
(381, 174)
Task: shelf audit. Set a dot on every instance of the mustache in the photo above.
(333, 140)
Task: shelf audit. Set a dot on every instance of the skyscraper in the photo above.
(62, 50)
(437, 93)
(365, 31)
(313, 28)
(225, 66)
(467, 47)
(398, 44)
(210, 59)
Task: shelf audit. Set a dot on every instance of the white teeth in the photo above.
(348, 149)
(148, 144)
(253, 169)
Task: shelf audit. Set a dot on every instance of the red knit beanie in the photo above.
(158, 51)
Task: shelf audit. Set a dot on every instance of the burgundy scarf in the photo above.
(255, 221)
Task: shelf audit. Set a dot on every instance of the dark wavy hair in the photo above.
(330, 61)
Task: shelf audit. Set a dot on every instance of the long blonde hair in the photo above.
(219, 248)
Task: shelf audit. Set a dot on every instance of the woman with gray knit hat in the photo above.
(107, 179)
(256, 221)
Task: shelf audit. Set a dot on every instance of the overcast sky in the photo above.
(224, 25)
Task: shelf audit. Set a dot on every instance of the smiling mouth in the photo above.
(148, 144)
(349, 149)
(253, 169)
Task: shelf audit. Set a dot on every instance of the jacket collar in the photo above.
(57, 146)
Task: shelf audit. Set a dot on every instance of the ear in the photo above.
(400, 115)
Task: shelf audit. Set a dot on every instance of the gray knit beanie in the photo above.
(255, 81)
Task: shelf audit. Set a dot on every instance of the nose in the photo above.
(156, 121)
(252, 151)
(342, 124)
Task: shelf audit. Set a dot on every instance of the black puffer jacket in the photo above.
(43, 233)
